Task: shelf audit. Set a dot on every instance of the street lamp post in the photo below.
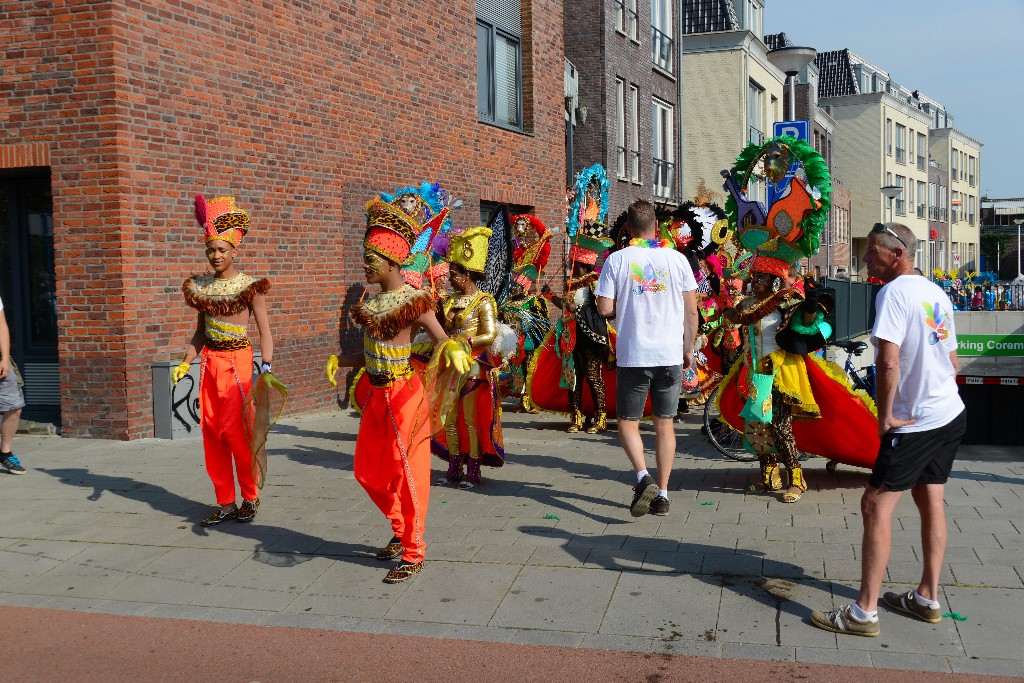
(891, 192)
(790, 60)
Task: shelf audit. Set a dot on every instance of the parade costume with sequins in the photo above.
(782, 396)
(392, 454)
(226, 369)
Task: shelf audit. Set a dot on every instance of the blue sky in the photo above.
(966, 54)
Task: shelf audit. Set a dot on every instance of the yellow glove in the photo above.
(456, 357)
(332, 369)
(179, 371)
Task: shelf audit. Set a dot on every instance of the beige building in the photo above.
(961, 154)
(733, 94)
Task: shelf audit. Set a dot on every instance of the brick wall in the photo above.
(303, 112)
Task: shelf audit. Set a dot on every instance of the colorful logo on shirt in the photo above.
(645, 279)
(938, 321)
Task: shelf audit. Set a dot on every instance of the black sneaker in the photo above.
(643, 494)
(659, 506)
(12, 464)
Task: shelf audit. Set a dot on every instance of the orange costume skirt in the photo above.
(392, 458)
(225, 379)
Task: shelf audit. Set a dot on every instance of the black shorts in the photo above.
(906, 460)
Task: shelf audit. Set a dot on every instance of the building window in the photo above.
(901, 203)
(970, 171)
(943, 209)
(627, 21)
(922, 199)
(922, 149)
(499, 62)
(620, 128)
(901, 137)
(970, 210)
(888, 137)
(933, 202)
(942, 254)
(954, 173)
(634, 134)
(662, 44)
(755, 96)
(954, 210)
(664, 150)
(749, 15)
(970, 257)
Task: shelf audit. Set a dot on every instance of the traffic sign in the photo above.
(796, 129)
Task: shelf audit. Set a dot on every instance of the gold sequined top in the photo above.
(223, 332)
(472, 317)
(386, 363)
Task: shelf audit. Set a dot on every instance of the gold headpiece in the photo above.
(469, 249)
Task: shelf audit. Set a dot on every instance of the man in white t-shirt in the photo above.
(11, 400)
(921, 421)
(650, 290)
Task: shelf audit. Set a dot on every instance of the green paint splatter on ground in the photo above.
(550, 517)
(707, 502)
(954, 615)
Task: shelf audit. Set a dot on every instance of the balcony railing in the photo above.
(943, 215)
(901, 207)
(664, 179)
(901, 155)
(756, 136)
(662, 49)
(620, 162)
(920, 162)
(953, 216)
(933, 213)
(626, 19)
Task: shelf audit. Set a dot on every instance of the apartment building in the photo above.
(881, 139)
(961, 154)
(732, 93)
(627, 63)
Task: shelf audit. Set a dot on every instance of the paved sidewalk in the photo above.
(545, 552)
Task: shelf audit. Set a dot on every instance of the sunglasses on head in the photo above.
(879, 227)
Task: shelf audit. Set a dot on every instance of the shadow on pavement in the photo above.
(275, 546)
(680, 557)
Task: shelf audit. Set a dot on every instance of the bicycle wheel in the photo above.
(724, 438)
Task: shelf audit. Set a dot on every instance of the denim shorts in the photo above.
(632, 386)
(11, 397)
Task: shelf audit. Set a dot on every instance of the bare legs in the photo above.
(8, 428)
(877, 507)
(664, 446)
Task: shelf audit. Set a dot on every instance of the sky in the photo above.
(966, 54)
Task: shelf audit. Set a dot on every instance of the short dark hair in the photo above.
(641, 218)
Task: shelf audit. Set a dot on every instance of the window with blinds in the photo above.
(499, 62)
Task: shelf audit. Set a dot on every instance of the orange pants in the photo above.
(225, 379)
(392, 466)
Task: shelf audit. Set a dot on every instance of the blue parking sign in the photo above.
(796, 129)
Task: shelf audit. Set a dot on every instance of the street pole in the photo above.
(1018, 221)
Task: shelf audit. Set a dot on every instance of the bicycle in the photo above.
(724, 438)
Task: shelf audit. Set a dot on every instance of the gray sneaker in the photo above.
(659, 506)
(12, 464)
(841, 621)
(905, 602)
(643, 494)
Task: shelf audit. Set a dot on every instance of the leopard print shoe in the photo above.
(403, 571)
(392, 551)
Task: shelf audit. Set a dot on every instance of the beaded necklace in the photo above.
(652, 243)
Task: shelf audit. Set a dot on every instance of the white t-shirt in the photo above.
(647, 286)
(916, 315)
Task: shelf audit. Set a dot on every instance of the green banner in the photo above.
(990, 344)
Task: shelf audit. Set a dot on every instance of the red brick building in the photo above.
(114, 114)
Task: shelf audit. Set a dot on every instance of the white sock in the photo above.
(640, 475)
(863, 615)
(663, 493)
(925, 602)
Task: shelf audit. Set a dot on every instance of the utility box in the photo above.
(176, 408)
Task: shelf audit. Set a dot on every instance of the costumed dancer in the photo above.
(392, 453)
(779, 382)
(479, 269)
(525, 311)
(582, 340)
(225, 301)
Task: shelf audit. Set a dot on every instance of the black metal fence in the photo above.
(855, 307)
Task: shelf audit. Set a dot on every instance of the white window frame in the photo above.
(634, 134)
(620, 128)
(663, 147)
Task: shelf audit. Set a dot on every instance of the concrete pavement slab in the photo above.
(557, 599)
(455, 593)
(663, 605)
